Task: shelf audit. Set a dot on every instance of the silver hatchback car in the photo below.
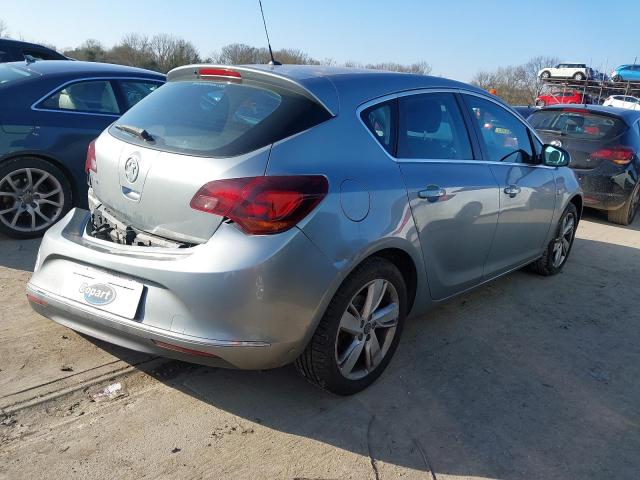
(254, 216)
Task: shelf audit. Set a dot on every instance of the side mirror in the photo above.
(555, 156)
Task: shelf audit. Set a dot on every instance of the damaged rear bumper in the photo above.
(237, 300)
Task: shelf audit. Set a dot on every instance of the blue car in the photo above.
(50, 113)
(626, 73)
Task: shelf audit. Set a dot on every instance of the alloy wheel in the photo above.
(562, 244)
(31, 199)
(367, 328)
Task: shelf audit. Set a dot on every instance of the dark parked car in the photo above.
(525, 111)
(17, 51)
(604, 143)
(50, 112)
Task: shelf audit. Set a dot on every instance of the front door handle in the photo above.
(512, 190)
(432, 193)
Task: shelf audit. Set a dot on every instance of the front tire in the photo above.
(557, 252)
(359, 331)
(540, 103)
(626, 214)
(34, 194)
(545, 75)
(616, 78)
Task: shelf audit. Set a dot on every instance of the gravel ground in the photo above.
(524, 378)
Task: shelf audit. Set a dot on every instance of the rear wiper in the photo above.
(138, 132)
(549, 130)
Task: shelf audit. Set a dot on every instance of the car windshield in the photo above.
(12, 74)
(577, 123)
(218, 119)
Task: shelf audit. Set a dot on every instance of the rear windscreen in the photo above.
(208, 118)
(12, 74)
(577, 124)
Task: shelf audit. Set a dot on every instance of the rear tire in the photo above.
(540, 103)
(579, 76)
(353, 344)
(626, 214)
(550, 263)
(34, 194)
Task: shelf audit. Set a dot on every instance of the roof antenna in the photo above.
(273, 60)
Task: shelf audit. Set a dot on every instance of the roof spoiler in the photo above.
(234, 74)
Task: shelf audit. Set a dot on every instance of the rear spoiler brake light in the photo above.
(219, 72)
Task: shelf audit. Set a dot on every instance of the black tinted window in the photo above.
(136, 90)
(40, 54)
(431, 126)
(380, 119)
(505, 137)
(577, 123)
(219, 119)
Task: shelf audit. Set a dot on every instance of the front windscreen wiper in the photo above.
(138, 132)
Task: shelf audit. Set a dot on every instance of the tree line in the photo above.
(516, 84)
(162, 52)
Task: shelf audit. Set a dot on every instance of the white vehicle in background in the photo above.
(577, 71)
(623, 101)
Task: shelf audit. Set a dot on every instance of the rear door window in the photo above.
(431, 126)
(380, 120)
(209, 118)
(135, 90)
(577, 124)
(89, 97)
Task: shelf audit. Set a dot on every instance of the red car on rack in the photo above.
(567, 96)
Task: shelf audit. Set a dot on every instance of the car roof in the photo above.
(352, 86)
(630, 116)
(77, 68)
(397, 80)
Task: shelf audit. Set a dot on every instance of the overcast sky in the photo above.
(457, 37)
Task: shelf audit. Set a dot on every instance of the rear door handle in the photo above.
(512, 190)
(432, 192)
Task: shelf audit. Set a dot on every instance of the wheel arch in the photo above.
(407, 267)
(578, 202)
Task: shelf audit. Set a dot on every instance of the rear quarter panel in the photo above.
(363, 181)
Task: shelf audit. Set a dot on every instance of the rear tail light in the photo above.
(619, 155)
(90, 163)
(262, 205)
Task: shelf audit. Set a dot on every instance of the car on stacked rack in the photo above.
(563, 96)
(622, 101)
(576, 71)
(626, 73)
